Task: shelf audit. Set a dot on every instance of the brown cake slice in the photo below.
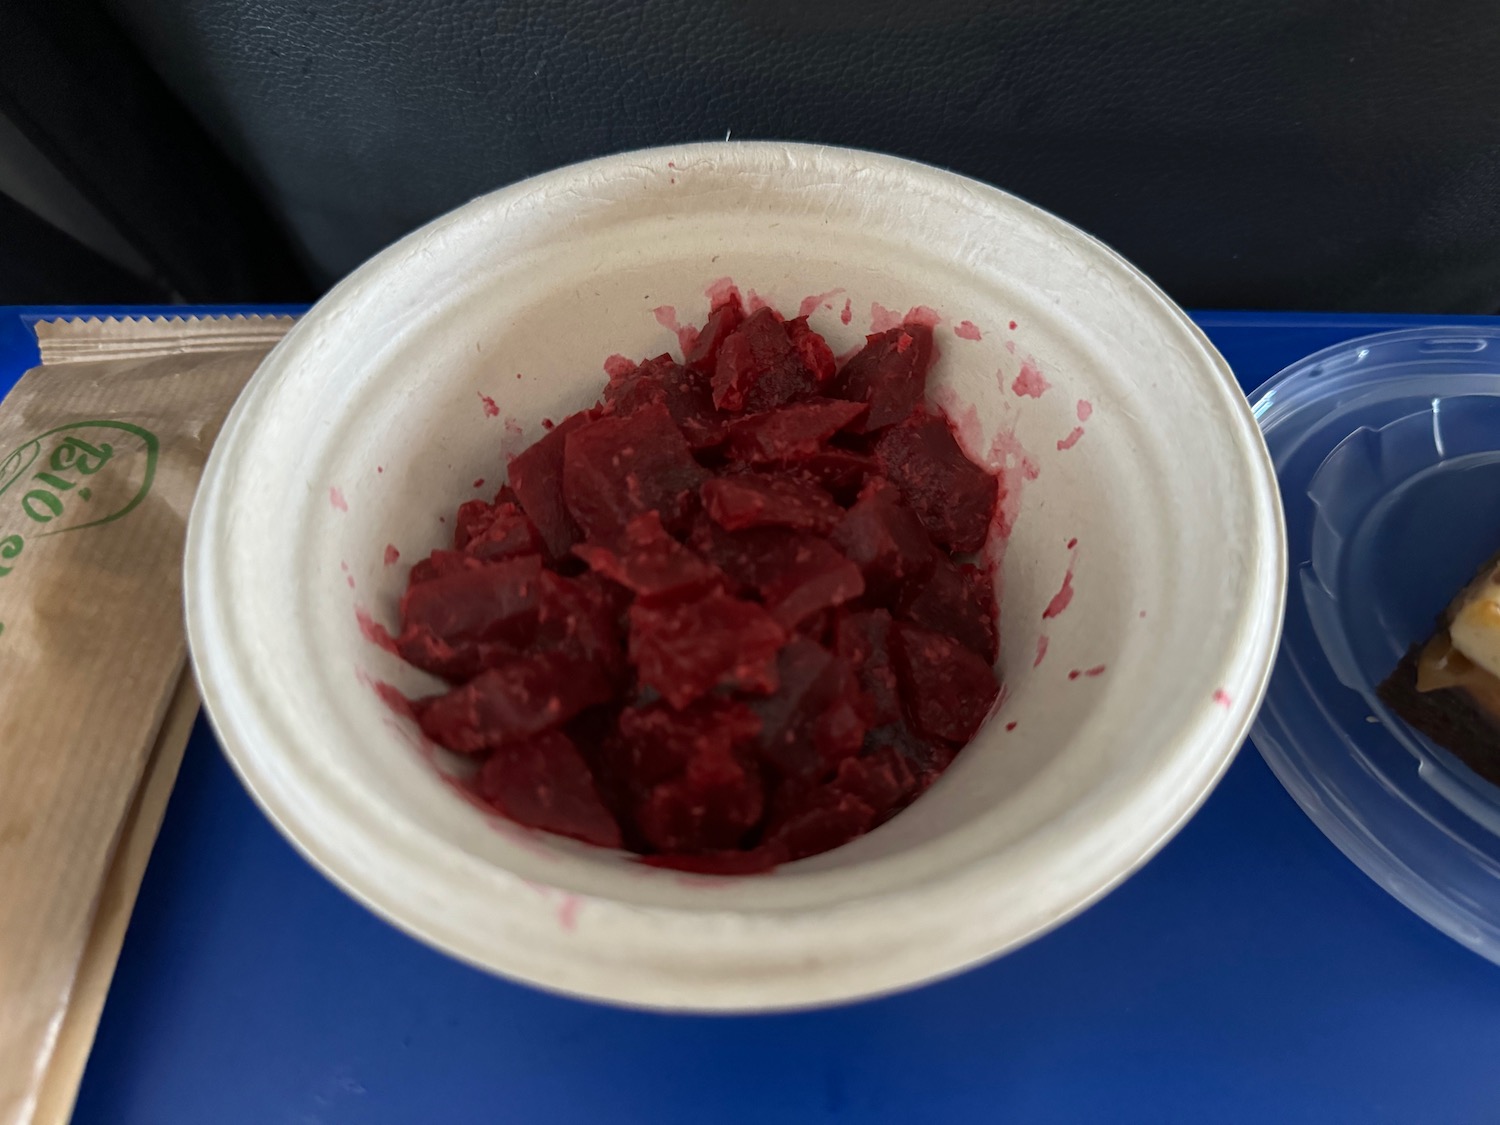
(1449, 687)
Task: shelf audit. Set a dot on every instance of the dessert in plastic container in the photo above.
(1388, 453)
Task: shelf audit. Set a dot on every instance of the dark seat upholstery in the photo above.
(1246, 153)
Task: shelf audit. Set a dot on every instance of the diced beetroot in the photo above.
(817, 716)
(687, 395)
(838, 470)
(759, 367)
(493, 602)
(925, 758)
(829, 819)
(766, 500)
(948, 689)
(810, 578)
(536, 477)
(879, 777)
(661, 740)
(885, 539)
(517, 700)
(790, 433)
(672, 631)
(957, 601)
(751, 558)
(650, 563)
(577, 618)
(685, 651)
(725, 318)
(695, 789)
(865, 640)
(890, 374)
(544, 783)
(953, 497)
(496, 532)
(440, 564)
(814, 350)
(615, 469)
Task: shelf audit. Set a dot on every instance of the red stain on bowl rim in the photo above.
(1062, 599)
(687, 334)
(567, 912)
(967, 330)
(1085, 411)
(336, 498)
(848, 314)
(617, 366)
(1042, 641)
(1030, 383)
(392, 556)
(1096, 670)
(1010, 725)
(883, 319)
(810, 304)
(372, 630)
(1017, 468)
(1064, 596)
(722, 292)
(491, 409)
(754, 302)
(1221, 697)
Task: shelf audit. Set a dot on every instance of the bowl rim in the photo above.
(801, 984)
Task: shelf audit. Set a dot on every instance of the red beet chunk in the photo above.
(760, 367)
(808, 579)
(615, 469)
(725, 318)
(840, 471)
(687, 395)
(515, 701)
(536, 477)
(925, 757)
(659, 740)
(885, 539)
(686, 651)
(765, 500)
(948, 689)
(865, 640)
(440, 564)
(959, 602)
(829, 819)
(817, 716)
(495, 602)
(696, 790)
(650, 563)
(953, 497)
(880, 778)
(751, 558)
(544, 783)
(890, 374)
(577, 617)
(816, 355)
(791, 433)
(495, 532)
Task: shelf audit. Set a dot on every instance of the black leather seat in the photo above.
(1249, 153)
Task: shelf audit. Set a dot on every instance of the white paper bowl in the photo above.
(368, 423)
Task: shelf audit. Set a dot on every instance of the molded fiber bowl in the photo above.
(1141, 586)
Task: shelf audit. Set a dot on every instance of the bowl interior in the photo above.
(1139, 587)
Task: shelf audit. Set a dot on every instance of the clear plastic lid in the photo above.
(1388, 453)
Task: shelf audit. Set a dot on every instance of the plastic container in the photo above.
(1388, 453)
(1136, 481)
